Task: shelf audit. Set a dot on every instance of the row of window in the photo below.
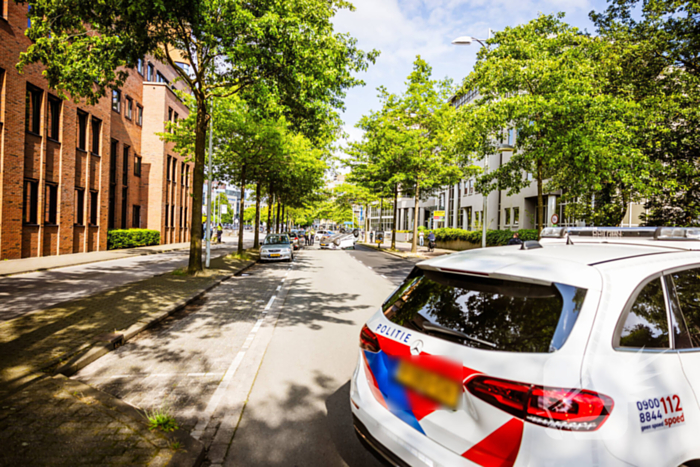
(30, 207)
(151, 73)
(171, 171)
(129, 107)
(170, 216)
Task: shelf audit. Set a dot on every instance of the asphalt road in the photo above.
(24, 293)
(260, 369)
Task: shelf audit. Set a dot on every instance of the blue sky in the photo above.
(402, 29)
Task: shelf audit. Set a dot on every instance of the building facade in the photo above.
(463, 205)
(70, 172)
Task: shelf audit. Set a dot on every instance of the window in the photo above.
(2, 89)
(129, 108)
(54, 120)
(167, 170)
(172, 216)
(167, 212)
(29, 19)
(116, 100)
(175, 118)
(180, 216)
(506, 217)
(185, 216)
(187, 176)
(31, 202)
(160, 78)
(645, 324)
(139, 115)
(33, 109)
(151, 72)
(96, 126)
(137, 166)
(82, 130)
(684, 292)
(139, 66)
(516, 218)
(79, 205)
(113, 161)
(125, 166)
(124, 205)
(511, 136)
(182, 174)
(50, 203)
(94, 199)
(485, 313)
(136, 217)
(4, 7)
(174, 166)
(184, 66)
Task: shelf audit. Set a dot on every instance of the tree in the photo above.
(408, 140)
(659, 68)
(286, 48)
(547, 81)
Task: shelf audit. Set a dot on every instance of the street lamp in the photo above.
(467, 40)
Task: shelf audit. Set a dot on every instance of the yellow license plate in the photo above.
(429, 384)
(274, 255)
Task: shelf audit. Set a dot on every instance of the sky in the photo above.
(402, 29)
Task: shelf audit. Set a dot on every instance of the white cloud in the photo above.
(402, 29)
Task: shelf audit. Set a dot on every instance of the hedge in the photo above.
(130, 238)
(493, 237)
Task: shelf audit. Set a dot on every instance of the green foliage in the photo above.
(131, 238)
(161, 419)
(493, 237)
(658, 66)
(549, 82)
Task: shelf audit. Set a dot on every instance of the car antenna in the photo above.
(568, 239)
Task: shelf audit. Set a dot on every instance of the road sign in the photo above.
(439, 216)
(555, 219)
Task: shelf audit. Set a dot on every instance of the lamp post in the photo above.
(467, 40)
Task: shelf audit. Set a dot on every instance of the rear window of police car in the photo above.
(485, 313)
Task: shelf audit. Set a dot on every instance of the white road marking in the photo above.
(278, 288)
(223, 385)
(269, 304)
(384, 276)
(370, 267)
(156, 375)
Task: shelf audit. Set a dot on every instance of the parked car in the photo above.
(581, 349)
(276, 247)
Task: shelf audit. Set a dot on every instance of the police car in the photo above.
(580, 349)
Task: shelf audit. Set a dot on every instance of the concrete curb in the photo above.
(388, 252)
(99, 350)
(192, 452)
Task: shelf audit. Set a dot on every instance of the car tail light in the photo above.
(368, 340)
(563, 409)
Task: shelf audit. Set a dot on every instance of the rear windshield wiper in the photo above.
(432, 327)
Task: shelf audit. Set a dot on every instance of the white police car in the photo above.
(583, 349)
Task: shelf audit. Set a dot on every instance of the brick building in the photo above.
(69, 173)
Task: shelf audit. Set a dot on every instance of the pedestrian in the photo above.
(515, 240)
(421, 238)
(313, 234)
(431, 241)
(306, 238)
(371, 237)
(219, 232)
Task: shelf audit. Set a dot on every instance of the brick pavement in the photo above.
(43, 413)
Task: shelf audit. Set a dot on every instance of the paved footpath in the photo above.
(24, 293)
(51, 421)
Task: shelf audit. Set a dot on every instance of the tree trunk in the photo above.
(195, 260)
(396, 210)
(241, 208)
(414, 240)
(270, 208)
(256, 241)
(540, 200)
(284, 219)
(277, 221)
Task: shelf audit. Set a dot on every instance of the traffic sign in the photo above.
(555, 219)
(439, 216)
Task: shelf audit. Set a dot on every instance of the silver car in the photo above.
(276, 247)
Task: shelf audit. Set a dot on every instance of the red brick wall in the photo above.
(25, 155)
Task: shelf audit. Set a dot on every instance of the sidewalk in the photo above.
(43, 263)
(48, 420)
(403, 250)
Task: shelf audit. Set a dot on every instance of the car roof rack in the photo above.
(621, 233)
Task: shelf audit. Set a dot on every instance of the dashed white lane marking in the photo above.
(370, 267)
(384, 276)
(278, 288)
(269, 304)
(225, 381)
